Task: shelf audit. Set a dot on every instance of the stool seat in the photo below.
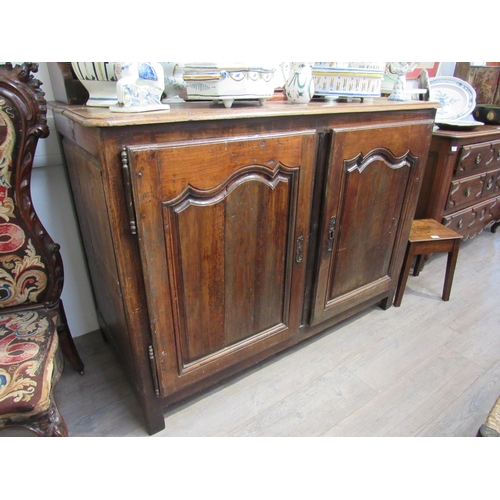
(431, 230)
(428, 236)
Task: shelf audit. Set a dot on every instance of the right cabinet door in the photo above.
(371, 187)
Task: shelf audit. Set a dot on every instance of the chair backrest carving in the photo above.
(30, 263)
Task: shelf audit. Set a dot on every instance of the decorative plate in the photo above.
(456, 96)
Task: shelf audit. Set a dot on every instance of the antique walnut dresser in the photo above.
(216, 237)
(461, 187)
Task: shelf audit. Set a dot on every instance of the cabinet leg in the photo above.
(155, 418)
(386, 303)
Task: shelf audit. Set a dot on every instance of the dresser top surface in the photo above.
(479, 132)
(201, 111)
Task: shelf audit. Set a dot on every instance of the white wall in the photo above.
(53, 203)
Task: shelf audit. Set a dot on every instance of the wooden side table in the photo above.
(426, 237)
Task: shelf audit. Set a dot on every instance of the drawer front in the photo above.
(473, 220)
(477, 157)
(466, 191)
(491, 184)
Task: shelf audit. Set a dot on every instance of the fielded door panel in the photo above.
(370, 191)
(223, 230)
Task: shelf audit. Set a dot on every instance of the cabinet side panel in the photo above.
(86, 184)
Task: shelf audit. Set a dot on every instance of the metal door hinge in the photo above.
(331, 233)
(128, 191)
(154, 374)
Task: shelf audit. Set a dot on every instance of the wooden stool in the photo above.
(426, 237)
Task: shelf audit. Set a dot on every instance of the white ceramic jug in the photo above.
(299, 87)
(174, 81)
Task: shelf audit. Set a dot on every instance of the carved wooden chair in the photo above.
(33, 326)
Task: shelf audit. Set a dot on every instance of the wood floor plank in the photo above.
(251, 394)
(466, 413)
(412, 401)
(312, 409)
(100, 402)
(401, 352)
(481, 341)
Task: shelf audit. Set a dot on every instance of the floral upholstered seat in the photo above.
(32, 319)
(28, 369)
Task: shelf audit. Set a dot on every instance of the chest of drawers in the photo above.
(461, 186)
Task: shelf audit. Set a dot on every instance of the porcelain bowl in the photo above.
(215, 82)
(99, 79)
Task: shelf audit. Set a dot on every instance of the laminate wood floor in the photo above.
(427, 368)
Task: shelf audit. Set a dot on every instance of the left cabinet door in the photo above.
(223, 231)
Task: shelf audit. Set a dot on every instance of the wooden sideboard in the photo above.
(217, 237)
(461, 187)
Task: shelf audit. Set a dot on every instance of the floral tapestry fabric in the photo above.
(28, 343)
(22, 272)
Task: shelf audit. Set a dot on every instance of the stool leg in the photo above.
(450, 270)
(403, 277)
(419, 264)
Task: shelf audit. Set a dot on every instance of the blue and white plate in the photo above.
(457, 97)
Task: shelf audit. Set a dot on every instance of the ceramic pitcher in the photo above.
(299, 87)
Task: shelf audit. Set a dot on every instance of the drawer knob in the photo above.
(468, 191)
(498, 154)
(478, 158)
(489, 183)
(460, 224)
(483, 213)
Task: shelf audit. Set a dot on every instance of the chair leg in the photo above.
(450, 270)
(50, 423)
(403, 277)
(67, 344)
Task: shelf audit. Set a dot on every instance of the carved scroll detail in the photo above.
(194, 196)
(360, 162)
